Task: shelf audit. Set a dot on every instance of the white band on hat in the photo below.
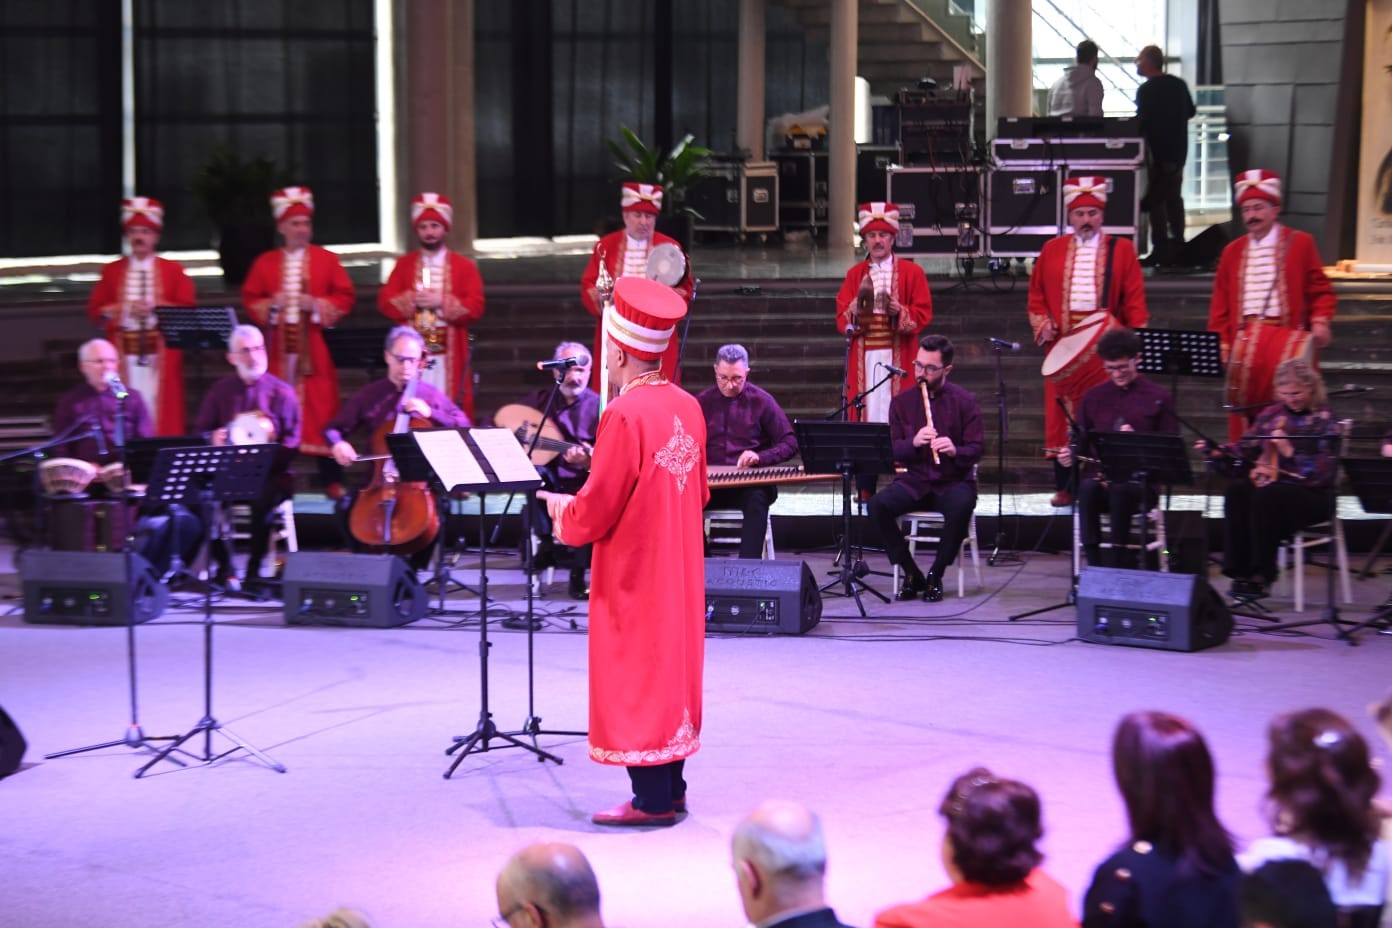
(635, 336)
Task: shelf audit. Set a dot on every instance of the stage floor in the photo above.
(865, 719)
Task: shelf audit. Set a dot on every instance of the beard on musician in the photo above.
(573, 380)
(1086, 222)
(431, 233)
(248, 356)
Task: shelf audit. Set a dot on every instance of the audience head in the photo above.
(1322, 785)
(550, 885)
(1165, 774)
(1286, 894)
(779, 856)
(992, 827)
(1087, 52)
(339, 918)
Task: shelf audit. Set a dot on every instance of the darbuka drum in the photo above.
(113, 477)
(66, 476)
(1072, 364)
(1256, 354)
(251, 428)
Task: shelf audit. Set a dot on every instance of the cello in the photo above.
(389, 515)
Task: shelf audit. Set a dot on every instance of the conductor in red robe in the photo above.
(641, 508)
(437, 292)
(1272, 301)
(293, 293)
(123, 303)
(625, 253)
(883, 303)
(1083, 279)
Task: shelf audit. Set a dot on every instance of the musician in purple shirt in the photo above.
(234, 410)
(947, 485)
(575, 413)
(93, 402)
(1127, 402)
(745, 427)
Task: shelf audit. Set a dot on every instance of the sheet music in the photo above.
(506, 456)
(450, 457)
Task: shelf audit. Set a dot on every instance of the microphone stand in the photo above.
(1074, 434)
(997, 555)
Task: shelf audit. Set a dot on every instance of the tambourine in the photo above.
(666, 264)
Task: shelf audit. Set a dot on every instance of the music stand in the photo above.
(1180, 352)
(202, 477)
(850, 449)
(480, 461)
(196, 328)
(356, 348)
(1371, 479)
(1144, 458)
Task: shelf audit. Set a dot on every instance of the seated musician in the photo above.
(939, 453)
(237, 408)
(378, 404)
(159, 530)
(575, 414)
(1288, 456)
(745, 428)
(1127, 402)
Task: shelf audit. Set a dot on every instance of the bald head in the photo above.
(780, 859)
(552, 878)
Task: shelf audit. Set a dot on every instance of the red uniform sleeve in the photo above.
(846, 297)
(915, 297)
(588, 280)
(260, 286)
(1130, 286)
(613, 475)
(338, 289)
(1221, 313)
(465, 303)
(394, 298)
(105, 301)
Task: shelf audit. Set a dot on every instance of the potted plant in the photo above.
(677, 172)
(235, 194)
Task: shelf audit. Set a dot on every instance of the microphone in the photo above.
(1350, 388)
(1002, 343)
(896, 371)
(118, 388)
(98, 435)
(560, 364)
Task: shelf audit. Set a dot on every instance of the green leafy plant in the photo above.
(676, 171)
(234, 191)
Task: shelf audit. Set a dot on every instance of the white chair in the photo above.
(1154, 529)
(723, 527)
(540, 586)
(1313, 536)
(238, 528)
(924, 527)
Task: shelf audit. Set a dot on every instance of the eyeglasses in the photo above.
(928, 368)
(729, 381)
(502, 920)
(1117, 368)
(403, 360)
(248, 350)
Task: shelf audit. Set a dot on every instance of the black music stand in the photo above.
(1180, 353)
(480, 461)
(196, 328)
(1144, 458)
(1371, 479)
(202, 477)
(412, 467)
(357, 348)
(850, 449)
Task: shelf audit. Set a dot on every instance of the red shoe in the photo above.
(626, 816)
(1060, 499)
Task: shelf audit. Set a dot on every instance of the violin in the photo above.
(389, 515)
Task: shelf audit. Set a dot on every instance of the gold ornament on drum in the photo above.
(66, 476)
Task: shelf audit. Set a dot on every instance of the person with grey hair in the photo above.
(548, 886)
(745, 428)
(575, 414)
(1078, 92)
(779, 855)
(94, 402)
(252, 406)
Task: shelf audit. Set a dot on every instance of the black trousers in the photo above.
(277, 490)
(1164, 201)
(956, 503)
(162, 532)
(754, 503)
(656, 787)
(1258, 519)
(1120, 501)
(542, 527)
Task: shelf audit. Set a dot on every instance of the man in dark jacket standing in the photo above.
(1164, 107)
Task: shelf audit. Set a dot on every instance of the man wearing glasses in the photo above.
(252, 406)
(1079, 280)
(1127, 402)
(745, 427)
(939, 454)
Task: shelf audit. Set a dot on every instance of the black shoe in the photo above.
(912, 588)
(578, 588)
(932, 588)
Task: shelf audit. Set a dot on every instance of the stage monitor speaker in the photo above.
(367, 590)
(761, 597)
(12, 746)
(89, 588)
(1146, 609)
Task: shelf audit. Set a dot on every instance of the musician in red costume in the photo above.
(883, 303)
(293, 293)
(625, 254)
(437, 292)
(1066, 287)
(641, 508)
(123, 304)
(1271, 278)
